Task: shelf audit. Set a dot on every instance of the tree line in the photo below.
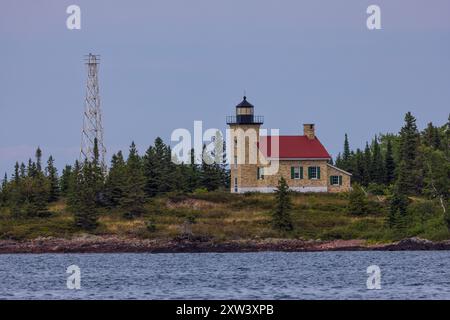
(126, 186)
(410, 163)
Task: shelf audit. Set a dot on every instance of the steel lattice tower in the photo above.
(92, 118)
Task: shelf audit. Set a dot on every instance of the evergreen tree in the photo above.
(64, 183)
(357, 204)
(358, 167)
(377, 167)
(398, 204)
(116, 180)
(73, 184)
(158, 169)
(16, 176)
(346, 155)
(133, 199)
(431, 136)
(83, 196)
(38, 160)
(52, 176)
(23, 171)
(389, 164)
(367, 162)
(281, 217)
(4, 191)
(409, 174)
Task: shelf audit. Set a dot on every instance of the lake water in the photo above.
(268, 275)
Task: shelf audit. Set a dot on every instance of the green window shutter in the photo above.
(309, 173)
(318, 173)
(340, 180)
(331, 180)
(292, 172)
(257, 173)
(301, 172)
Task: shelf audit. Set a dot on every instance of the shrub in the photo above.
(357, 204)
(376, 189)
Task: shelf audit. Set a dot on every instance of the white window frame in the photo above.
(337, 180)
(313, 170)
(297, 173)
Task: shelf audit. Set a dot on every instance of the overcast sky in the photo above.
(166, 63)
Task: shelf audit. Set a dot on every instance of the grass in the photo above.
(223, 216)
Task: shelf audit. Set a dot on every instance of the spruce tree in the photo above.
(64, 183)
(133, 199)
(116, 180)
(39, 160)
(377, 167)
(346, 154)
(398, 204)
(367, 163)
(409, 173)
(83, 196)
(389, 164)
(52, 176)
(359, 167)
(281, 216)
(357, 204)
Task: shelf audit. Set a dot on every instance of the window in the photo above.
(260, 173)
(296, 173)
(235, 185)
(235, 162)
(314, 173)
(336, 180)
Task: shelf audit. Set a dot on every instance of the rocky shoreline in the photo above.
(111, 244)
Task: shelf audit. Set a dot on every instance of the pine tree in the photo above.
(358, 167)
(16, 176)
(346, 154)
(64, 182)
(357, 204)
(398, 204)
(367, 163)
(133, 199)
(431, 136)
(4, 191)
(38, 160)
(116, 180)
(409, 174)
(158, 169)
(281, 217)
(389, 164)
(23, 170)
(377, 167)
(83, 196)
(52, 176)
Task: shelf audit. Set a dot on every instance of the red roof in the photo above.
(294, 147)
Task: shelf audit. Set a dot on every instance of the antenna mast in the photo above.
(92, 118)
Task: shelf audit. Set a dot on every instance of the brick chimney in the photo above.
(309, 131)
